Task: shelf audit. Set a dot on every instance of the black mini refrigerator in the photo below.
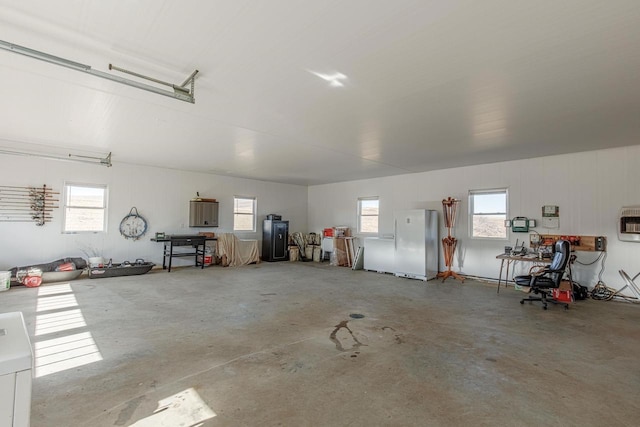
(275, 239)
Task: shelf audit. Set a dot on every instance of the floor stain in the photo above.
(397, 337)
(336, 341)
(265, 295)
(560, 372)
(125, 415)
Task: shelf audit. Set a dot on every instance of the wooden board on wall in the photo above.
(586, 243)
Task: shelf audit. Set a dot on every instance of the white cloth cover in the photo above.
(237, 252)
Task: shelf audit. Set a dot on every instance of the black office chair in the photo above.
(549, 277)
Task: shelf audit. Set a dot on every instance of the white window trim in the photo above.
(254, 214)
(104, 207)
(504, 190)
(358, 216)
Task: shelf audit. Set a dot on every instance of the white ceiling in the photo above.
(431, 84)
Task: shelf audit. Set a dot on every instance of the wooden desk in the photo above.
(515, 258)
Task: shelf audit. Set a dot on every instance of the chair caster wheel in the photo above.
(522, 302)
(544, 307)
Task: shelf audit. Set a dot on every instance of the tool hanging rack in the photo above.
(27, 204)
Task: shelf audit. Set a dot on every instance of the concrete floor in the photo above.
(273, 344)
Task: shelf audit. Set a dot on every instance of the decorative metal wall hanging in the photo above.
(133, 226)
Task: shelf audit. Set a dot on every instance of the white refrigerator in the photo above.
(416, 244)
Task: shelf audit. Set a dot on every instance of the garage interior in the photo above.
(311, 112)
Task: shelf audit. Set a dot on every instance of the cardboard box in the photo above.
(565, 286)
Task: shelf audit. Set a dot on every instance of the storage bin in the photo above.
(562, 296)
(5, 280)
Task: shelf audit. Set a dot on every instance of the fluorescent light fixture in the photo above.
(333, 79)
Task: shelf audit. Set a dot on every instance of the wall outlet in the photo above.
(534, 238)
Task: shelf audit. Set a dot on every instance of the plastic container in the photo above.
(562, 296)
(96, 261)
(208, 256)
(208, 259)
(5, 280)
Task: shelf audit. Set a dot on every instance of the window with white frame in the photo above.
(244, 213)
(85, 208)
(368, 214)
(487, 213)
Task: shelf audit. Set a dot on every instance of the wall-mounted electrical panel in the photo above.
(551, 216)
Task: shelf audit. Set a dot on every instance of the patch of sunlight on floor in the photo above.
(59, 321)
(62, 352)
(56, 302)
(182, 409)
(54, 289)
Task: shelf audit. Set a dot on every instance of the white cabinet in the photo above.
(16, 361)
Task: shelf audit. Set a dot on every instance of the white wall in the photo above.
(161, 196)
(590, 188)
